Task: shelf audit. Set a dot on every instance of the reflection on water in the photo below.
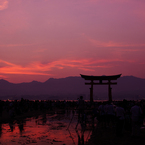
(45, 129)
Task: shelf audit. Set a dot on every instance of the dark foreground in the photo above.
(107, 136)
(19, 110)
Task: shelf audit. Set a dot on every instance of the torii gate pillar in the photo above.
(91, 92)
(109, 91)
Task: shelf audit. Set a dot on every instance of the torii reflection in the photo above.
(80, 137)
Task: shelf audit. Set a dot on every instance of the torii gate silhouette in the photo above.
(101, 79)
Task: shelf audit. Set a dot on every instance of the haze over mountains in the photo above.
(70, 88)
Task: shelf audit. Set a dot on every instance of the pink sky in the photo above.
(42, 39)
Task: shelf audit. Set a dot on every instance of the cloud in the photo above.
(3, 77)
(112, 44)
(98, 43)
(3, 4)
(140, 12)
(110, 1)
(16, 45)
(131, 50)
(37, 68)
(11, 68)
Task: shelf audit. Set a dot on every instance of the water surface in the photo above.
(57, 129)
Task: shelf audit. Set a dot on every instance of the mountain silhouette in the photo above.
(128, 87)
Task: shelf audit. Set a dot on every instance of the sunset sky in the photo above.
(42, 39)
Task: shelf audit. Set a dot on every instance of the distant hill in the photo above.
(70, 88)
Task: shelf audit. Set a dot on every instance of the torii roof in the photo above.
(113, 77)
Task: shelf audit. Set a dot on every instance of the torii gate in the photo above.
(100, 79)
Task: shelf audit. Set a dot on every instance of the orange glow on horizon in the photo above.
(37, 68)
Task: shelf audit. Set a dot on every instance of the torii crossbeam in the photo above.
(101, 79)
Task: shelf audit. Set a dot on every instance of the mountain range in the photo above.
(70, 88)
